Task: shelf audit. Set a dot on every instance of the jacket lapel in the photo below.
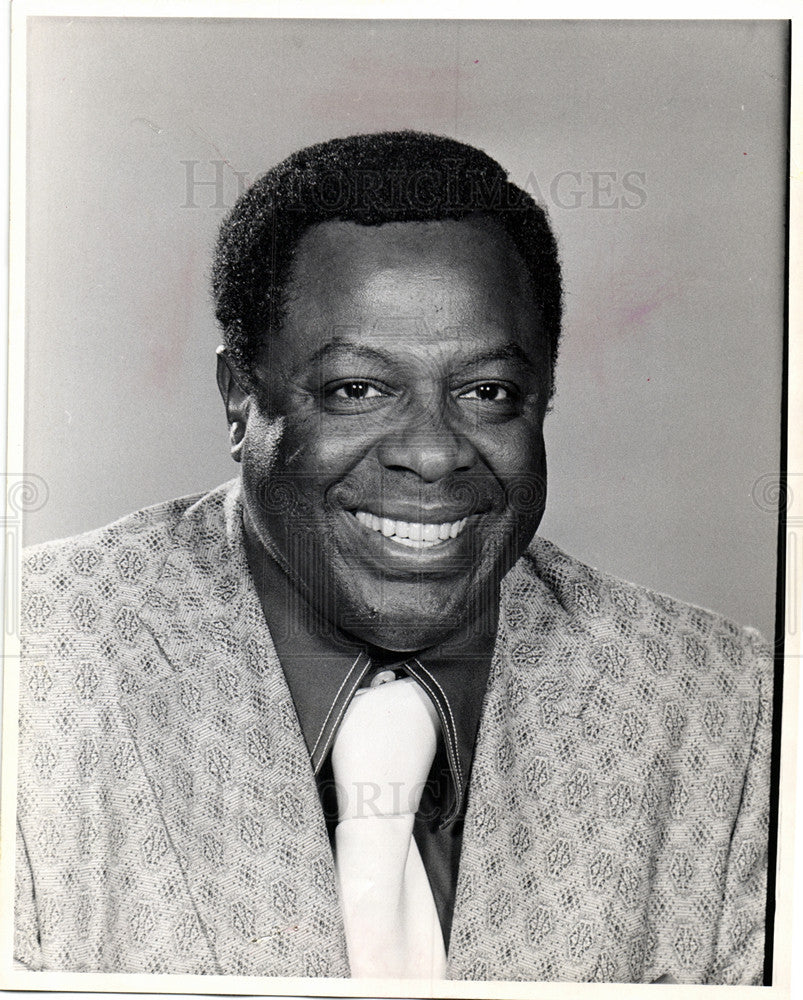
(543, 675)
(224, 748)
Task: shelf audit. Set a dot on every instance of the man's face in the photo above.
(393, 457)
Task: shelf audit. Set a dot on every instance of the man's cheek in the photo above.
(312, 446)
(521, 464)
(263, 441)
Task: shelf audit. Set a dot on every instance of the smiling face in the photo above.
(393, 458)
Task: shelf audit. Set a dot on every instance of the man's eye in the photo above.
(355, 390)
(487, 392)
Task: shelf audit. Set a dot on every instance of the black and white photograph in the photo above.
(397, 517)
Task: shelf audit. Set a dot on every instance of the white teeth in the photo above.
(413, 534)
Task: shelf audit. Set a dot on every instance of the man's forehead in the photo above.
(391, 266)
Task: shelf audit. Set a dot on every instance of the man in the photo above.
(346, 715)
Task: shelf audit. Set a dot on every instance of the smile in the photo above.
(413, 534)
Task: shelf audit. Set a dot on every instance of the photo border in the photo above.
(790, 546)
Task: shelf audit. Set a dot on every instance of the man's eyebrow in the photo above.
(346, 347)
(511, 351)
(506, 352)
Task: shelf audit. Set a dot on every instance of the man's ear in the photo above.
(235, 399)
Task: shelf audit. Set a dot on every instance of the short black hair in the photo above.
(371, 180)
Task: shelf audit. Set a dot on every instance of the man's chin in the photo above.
(400, 636)
(408, 626)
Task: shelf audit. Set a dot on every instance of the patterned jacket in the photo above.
(169, 819)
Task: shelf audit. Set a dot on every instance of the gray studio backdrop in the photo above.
(658, 148)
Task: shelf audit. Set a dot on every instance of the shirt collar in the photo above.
(324, 667)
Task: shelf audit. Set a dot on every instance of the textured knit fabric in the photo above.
(616, 827)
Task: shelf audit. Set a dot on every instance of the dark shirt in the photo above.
(324, 667)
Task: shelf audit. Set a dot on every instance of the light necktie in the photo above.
(381, 759)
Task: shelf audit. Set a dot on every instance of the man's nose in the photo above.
(427, 445)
